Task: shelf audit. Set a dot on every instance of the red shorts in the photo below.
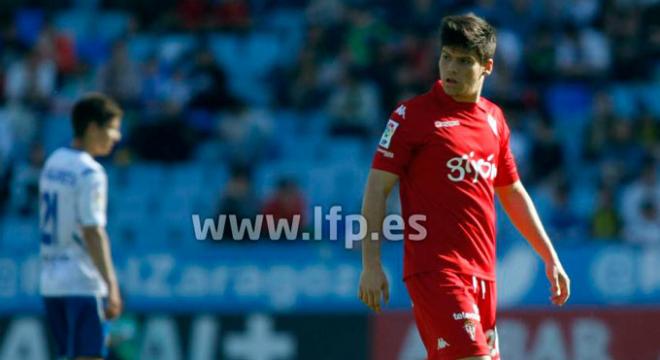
(455, 314)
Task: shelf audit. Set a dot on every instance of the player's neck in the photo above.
(474, 98)
(470, 98)
(79, 144)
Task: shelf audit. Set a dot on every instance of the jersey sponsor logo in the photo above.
(493, 124)
(390, 129)
(474, 315)
(447, 123)
(471, 328)
(466, 166)
(401, 111)
(442, 343)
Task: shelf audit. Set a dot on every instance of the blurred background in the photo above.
(243, 107)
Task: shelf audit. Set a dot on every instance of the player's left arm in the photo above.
(521, 210)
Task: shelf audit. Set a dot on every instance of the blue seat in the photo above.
(649, 96)
(56, 132)
(140, 47)
(93, 49)
(289, 28)
(624, 100)
(28, 24)
(213, 177)
(19, 235)
(264, 50)
(583, 200)
(172, 47)
(142, 177)
(223, 47)
(111, 25)
(345, 149)
(76, 23)
(184, 177)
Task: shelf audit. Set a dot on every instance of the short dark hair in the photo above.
(93, 108)
(469, 32)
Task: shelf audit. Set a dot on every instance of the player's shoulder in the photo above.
(411, 108)
(90, 167)
(78, 162)
(491, 107)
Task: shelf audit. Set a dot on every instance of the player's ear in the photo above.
(488, 66)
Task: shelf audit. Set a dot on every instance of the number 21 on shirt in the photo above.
(48, 220)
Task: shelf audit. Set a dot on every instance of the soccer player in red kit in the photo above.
(449, 149)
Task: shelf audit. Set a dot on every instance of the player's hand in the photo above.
(560, 284)
(373, 284)
(114, 306)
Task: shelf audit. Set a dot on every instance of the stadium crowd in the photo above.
(243, 85)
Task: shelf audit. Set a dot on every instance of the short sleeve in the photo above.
(396, 144)
(92, 198)
(507, 172)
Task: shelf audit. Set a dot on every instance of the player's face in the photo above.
(462, 74)
(104, 138)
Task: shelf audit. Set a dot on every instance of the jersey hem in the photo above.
(480, 275)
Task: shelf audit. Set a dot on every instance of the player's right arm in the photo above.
(92, 195)
(98, 247)
(373, 283)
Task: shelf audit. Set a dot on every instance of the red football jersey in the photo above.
(449, 156)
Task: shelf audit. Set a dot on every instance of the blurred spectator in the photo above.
(645, 229)
(21, 121)
(5, 161)
(121, 77)
(356, 60)
(606, 222)
(564, 224)
(324, 12)
(520, 142)
(421, 15)
(59, 47)
(233, 15)
(364, 34)
(651, 35)
(547, 158)
(582, 53)
(581, 12)
(25, 185)
(287, 202)
(31, 80)
(238, 199)
(540, 55)
(72, 86)
(245, 134)
(192, 13)
(6, 142)
(305, 93)
(209, 84)
(174, 92)
(645, 189)
(152, 81)
(623, 151)
(597, 130)
(648, 131)
(353, 107)
(624, 31)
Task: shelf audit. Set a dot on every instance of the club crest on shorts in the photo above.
(471, 328)
(442, 343)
